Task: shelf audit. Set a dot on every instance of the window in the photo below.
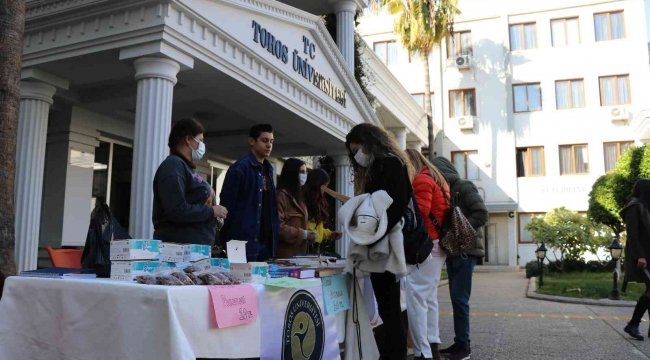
(528, 97)
(462, 103)
(525, 237)
(614, 90)
(614, 151)
(523, 37)
(459, 44)
(574, 159)
(466, 164)
(419, 98)
(565, 32)
(609, 26)
(387, 51)
(530, 162)
(569, 94)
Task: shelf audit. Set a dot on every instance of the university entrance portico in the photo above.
(135, 66)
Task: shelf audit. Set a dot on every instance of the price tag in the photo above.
(335, 294)
(234, 305)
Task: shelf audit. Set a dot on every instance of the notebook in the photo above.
(60, 273)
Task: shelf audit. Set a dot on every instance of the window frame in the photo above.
(566, 36)
(385, 44)
(541, 98)
(462, 91)
(523, 31)
(571, 94)
(609, 25)
(618, 143)
(529, 160)
(519, 229)
(423, 104)
(466, 153)
(629, 89)
(573, 159)
(458, 47)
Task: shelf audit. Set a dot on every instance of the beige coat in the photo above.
(293, 223)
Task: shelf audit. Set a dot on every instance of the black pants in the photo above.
(642, 306)
(386, 288)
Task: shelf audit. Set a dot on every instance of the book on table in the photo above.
(60, 273)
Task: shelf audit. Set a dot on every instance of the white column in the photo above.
(35, 101)
(415, 145)
(400, 135)
(156, 78)
(345, 11)
(343, 186)
(513, 239)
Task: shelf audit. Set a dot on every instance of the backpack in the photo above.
(97, 251)
(456, 233)
(417, 243)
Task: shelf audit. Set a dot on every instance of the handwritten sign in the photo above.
(234, 304)
(291, 283)
(335, 294)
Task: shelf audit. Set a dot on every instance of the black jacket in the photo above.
(469, 201)
(637, 224)
(390, 174)
(182, 204)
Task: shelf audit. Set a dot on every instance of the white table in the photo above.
(42, 319)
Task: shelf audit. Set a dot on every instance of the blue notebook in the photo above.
(59, 272)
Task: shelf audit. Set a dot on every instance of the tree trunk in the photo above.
(427, 105)
(12, 24)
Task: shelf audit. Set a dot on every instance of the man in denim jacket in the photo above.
(249, 195)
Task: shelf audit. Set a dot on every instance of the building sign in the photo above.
(563, 190)
(300, 61)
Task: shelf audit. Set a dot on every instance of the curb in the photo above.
(531, 293)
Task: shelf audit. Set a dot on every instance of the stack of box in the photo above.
(179, 256)
(134, 257)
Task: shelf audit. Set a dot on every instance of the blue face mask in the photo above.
(197, 154)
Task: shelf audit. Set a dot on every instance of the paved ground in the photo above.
(506, 325)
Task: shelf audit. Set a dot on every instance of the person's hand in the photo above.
(311, 236)
(336, 235)
(220, 211)
(642, 263)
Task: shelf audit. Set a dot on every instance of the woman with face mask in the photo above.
(318, 210)
(184, 205)
(295, 236)
(379, 164)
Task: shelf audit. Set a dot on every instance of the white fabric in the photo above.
(358, 314)
(422, 303)
(387, 252)
(111, 320)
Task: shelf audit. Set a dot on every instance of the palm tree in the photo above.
(12, 24)
(421, 26)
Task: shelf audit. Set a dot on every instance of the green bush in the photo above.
(532, 269)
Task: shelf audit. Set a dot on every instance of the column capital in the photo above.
(399, 130)
(37, 90)
(344, 5)
(156, 67)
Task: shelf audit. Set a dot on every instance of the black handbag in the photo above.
(417, 243)
(97, 251)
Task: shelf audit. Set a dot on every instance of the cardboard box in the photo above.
(128, 270)
(180, 266)
(200, 252)
(175, 253)
(254, 272)
(135, 249)
(222, 265)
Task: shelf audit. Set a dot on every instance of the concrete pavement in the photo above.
(505, 325)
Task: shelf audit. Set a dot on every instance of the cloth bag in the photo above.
(97, 251)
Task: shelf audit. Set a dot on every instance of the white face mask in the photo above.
(303, 179)
(197, 154)
(362, 159)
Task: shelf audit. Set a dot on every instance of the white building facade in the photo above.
(553, 90)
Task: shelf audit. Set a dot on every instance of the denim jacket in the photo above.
(241, 194)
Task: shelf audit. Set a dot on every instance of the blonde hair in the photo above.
(419, 161)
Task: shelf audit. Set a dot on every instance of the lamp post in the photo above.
(615, 250)
(541, 255)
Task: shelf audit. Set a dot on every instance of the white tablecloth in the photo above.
(42, 319)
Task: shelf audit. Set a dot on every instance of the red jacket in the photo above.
(431, 200)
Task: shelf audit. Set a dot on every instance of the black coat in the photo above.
(390, 174)
(637, 224)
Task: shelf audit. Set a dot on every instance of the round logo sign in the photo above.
(304, 331)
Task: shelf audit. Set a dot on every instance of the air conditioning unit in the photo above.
(619, 114)
(463, 62)
(465, 122)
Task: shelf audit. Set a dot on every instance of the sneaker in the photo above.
(633, 331)
(459, 354)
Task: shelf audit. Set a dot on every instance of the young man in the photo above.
(461, 268)
(249, 195)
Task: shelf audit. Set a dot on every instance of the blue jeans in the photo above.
(459, 272)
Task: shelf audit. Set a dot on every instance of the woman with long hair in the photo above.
(318, 208)
(379, 164)
(432, 195)
(637, 223)
(184, 204)
(295, 235)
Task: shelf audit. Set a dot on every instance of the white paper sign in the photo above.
(237, 252)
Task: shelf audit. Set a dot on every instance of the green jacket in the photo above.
(469, 201)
